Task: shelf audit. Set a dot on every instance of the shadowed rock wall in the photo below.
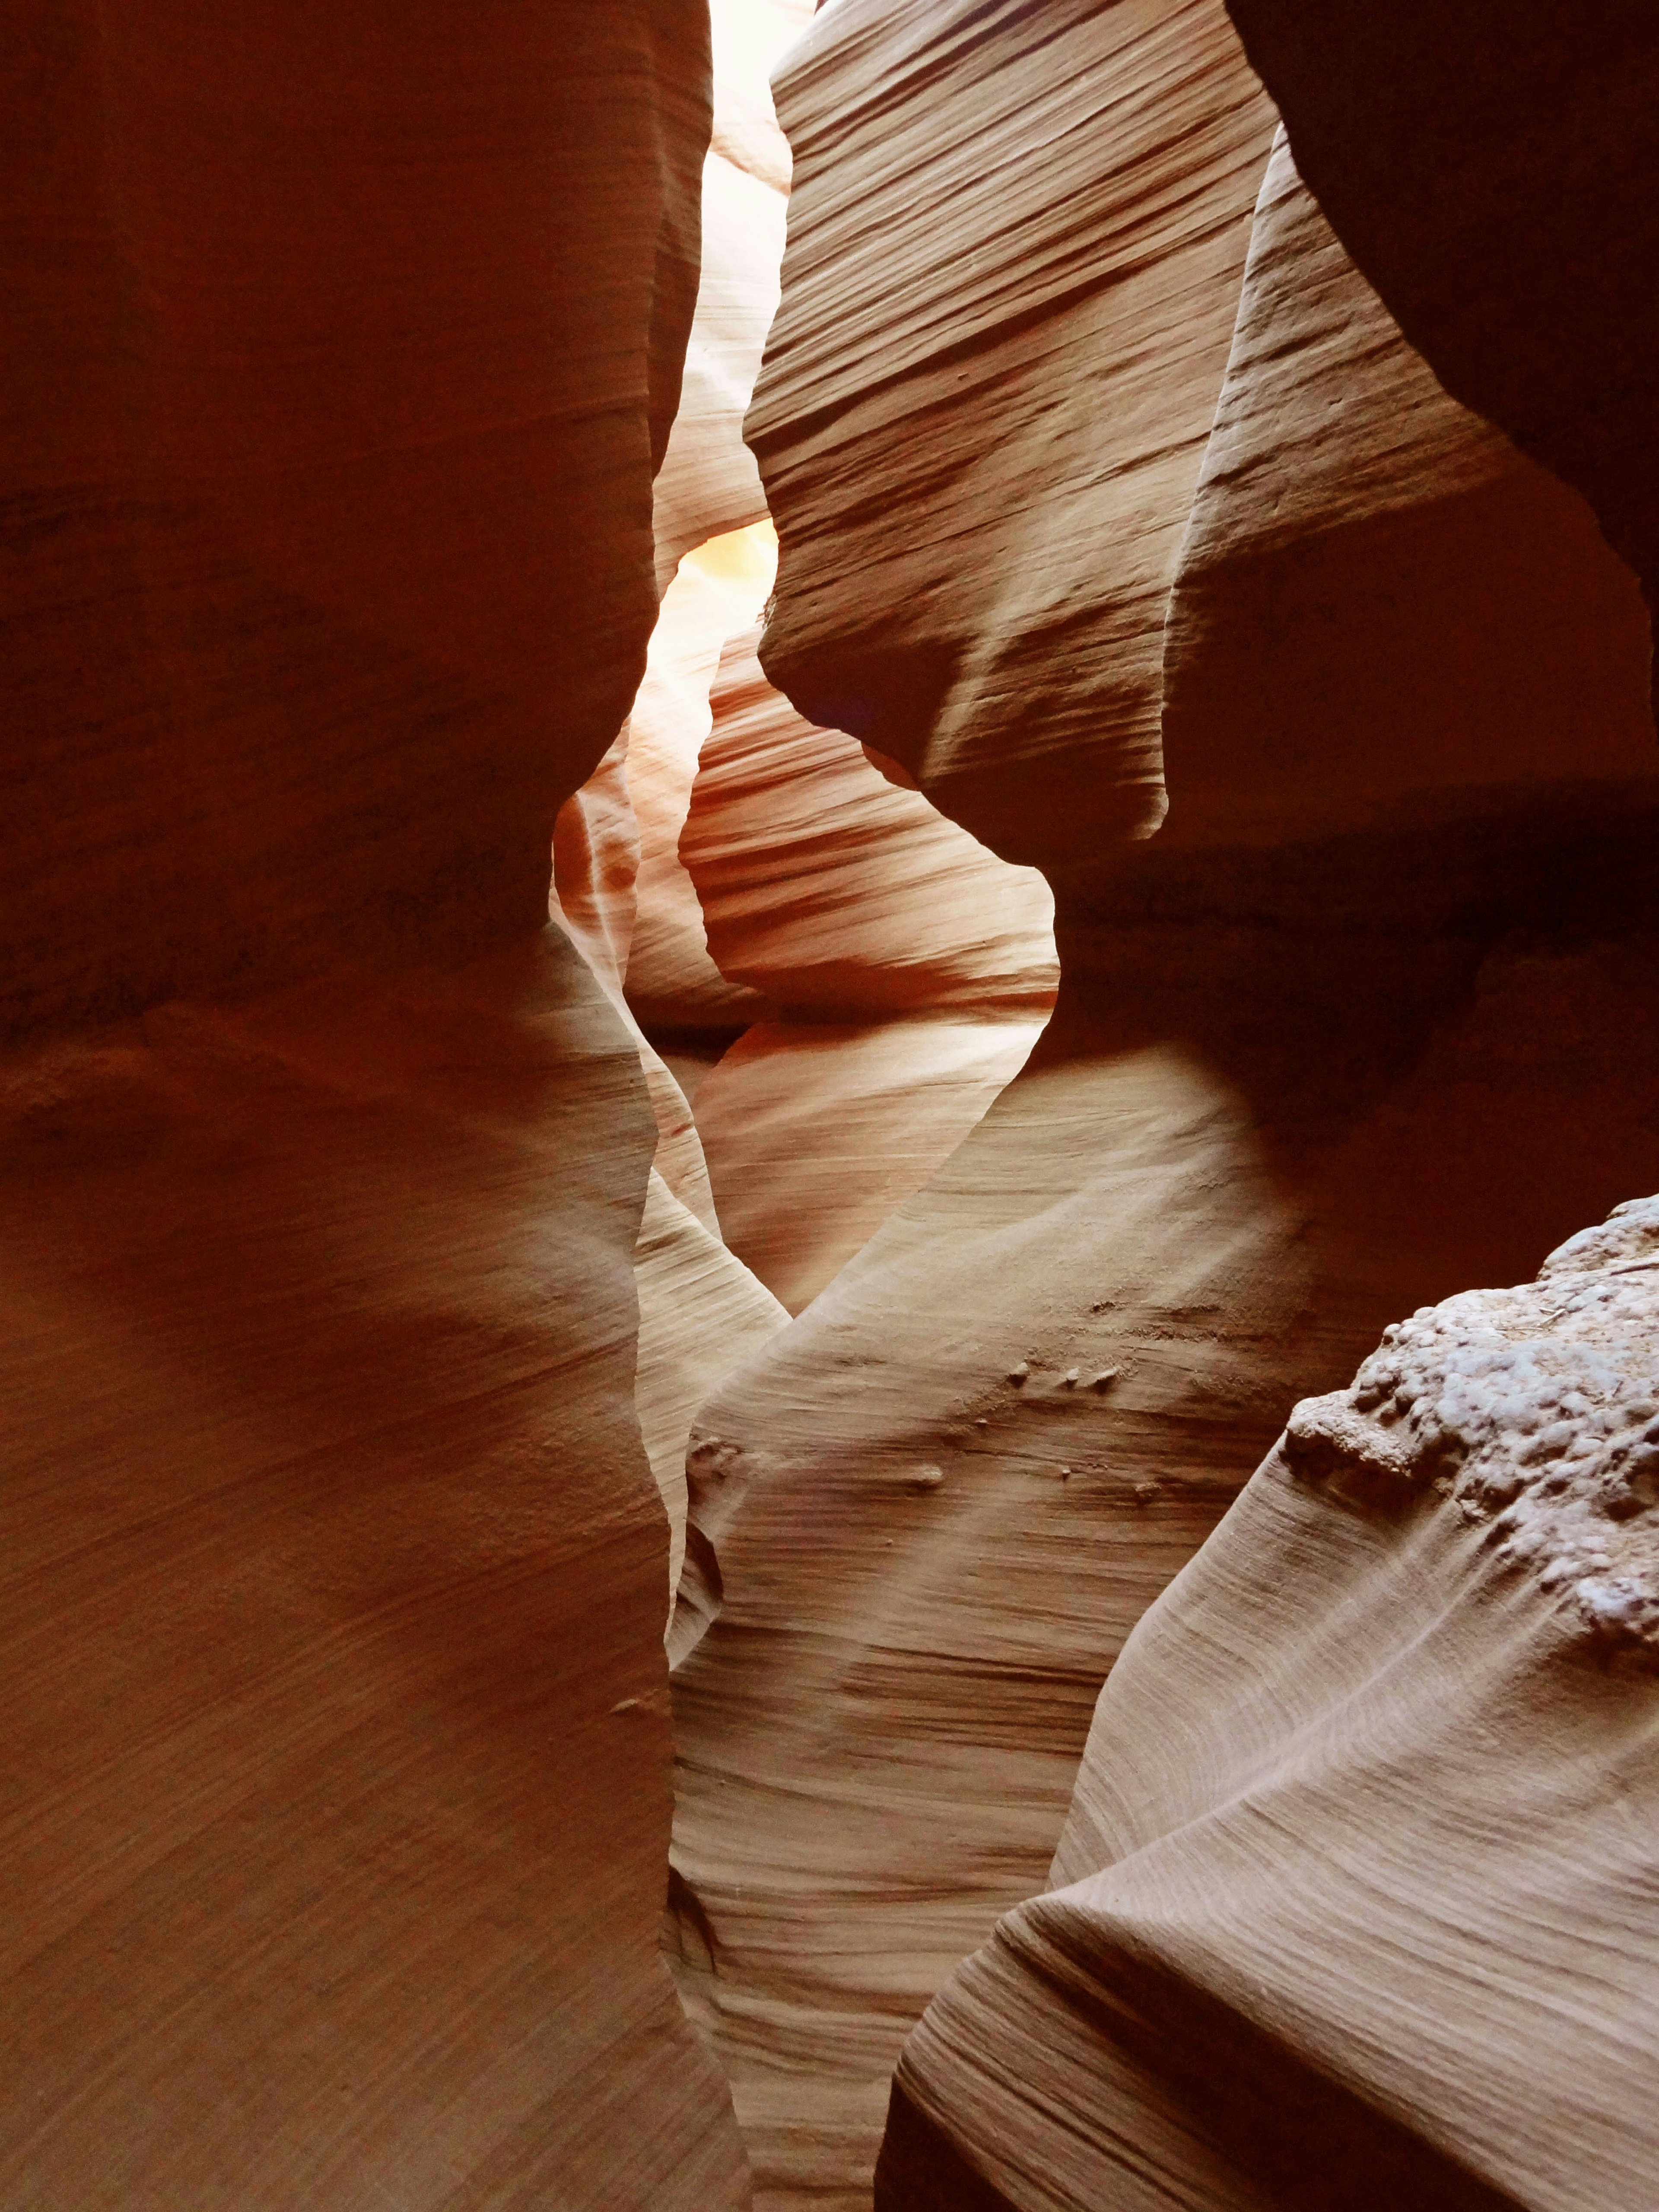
(344, 341)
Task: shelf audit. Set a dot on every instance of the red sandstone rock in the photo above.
(1014, 250)
(836, 894)
(335, 1711)
(1385, 618)
(342, 346)
(1304, 1074)
(708, 483)
(1354, 1903)
(912, 969)
(1491, 169)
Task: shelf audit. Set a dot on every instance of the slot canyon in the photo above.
(830, 1113)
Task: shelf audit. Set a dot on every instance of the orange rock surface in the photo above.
(344, 342)
(1370, 1018)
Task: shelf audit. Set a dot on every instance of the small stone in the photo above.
(1065, 1474)
(1070, 1378)
(981, 1423)
(927, 1477)
(1105, 1379)
(1145, 1493)
(1019, 1374)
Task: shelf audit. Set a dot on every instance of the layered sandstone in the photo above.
(1354, 1903)
(1490, 168)
(344, 347)
(911, 969)
(1317, 1041)
(342, 352)
(1029, 221)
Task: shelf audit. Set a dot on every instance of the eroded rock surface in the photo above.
(911, 970)
(1316, 1045)
(1492, 170)
(343, 344)
(1014, 245)
(1354, 1906)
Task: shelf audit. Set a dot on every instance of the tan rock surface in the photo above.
(815, 1131)
(913, 971)
(1014, 242)
(835, 894)
(708, 483)
(344, 343)
(1355, 1903)
(672, 982)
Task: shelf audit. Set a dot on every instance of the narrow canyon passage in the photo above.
(828, 1105)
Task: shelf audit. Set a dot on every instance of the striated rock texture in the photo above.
(1355, 1903)
(1492, 170)
(342, 345)
(1373, 1018)
(344, 342)
(1014, 245)
(672, 982)
(911, 970)
(829, 890)
(334, 1713)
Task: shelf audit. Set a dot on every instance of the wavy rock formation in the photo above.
(1355, 1903)
(1030, 221)
(322, 607)
(1363, 637)
(911, 968)
(672, 983)
(344, 342)
(1317, 1042)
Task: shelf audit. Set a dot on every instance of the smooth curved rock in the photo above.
(1491, 169)
(344, 342)
(816, 1131)
(672, 982)
(708, 483)
(342, 347)
(1354, 1906)
(912, 970)
(335, 1706)
(837, 895)
(1359, 547)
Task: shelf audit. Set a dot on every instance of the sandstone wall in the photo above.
(1370, 1018)
(344, 342)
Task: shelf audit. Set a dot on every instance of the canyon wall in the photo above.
(1109, 493)
(345, 343)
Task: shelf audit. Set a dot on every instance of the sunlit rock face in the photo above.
(911, 971)
(1369, 1020)
(1354, 1903)
(343, 342)
(708, 483)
